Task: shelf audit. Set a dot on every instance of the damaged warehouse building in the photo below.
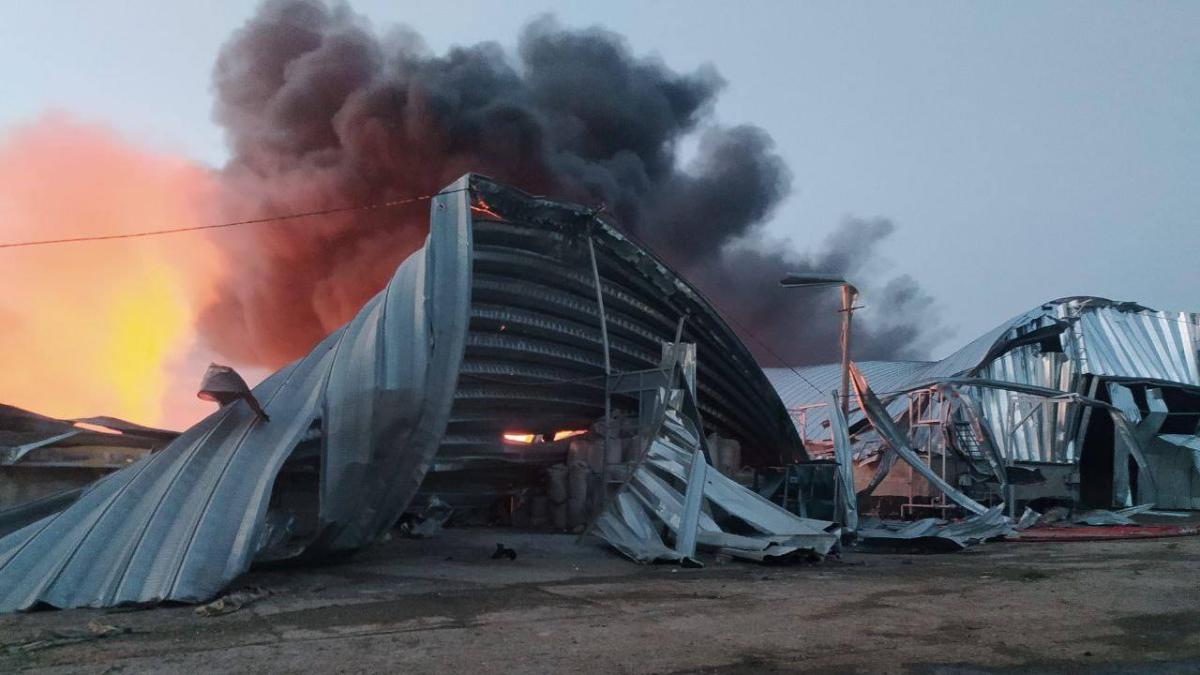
(521, 323)
(532, 365)
(1083, 402)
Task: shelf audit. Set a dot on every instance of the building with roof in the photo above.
(1083, 400)
(520, 322)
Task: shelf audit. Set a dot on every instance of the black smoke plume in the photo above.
(321, 111)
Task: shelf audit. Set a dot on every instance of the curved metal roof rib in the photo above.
(493, 322)
(535, 331)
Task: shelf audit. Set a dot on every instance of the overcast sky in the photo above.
(1026, 150)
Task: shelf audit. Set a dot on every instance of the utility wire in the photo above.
(741, 327)
(747, 332)
(383, 205)
(215, 226)
(325, 212)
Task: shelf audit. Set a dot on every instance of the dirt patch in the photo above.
(994, 609)
(1161, 632)
(461, 609)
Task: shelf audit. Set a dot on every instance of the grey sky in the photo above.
(1026, 150)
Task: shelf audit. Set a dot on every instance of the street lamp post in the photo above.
(849, 293)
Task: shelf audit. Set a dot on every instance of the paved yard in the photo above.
(443, 605)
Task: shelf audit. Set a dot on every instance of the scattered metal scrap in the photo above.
(1099, 517)
(503, 551)
(61, 637)
(938, 535)
(233, 602)
(879, 419)
(47, 463)
(223, 385)
(29, 437)
(673, 487)
(428, 521)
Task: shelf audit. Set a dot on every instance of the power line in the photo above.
(323, 212)
(747, 332)
(215, 226)
(741, 327)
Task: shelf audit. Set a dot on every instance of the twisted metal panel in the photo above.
(181, 523)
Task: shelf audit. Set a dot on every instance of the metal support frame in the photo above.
(799, 415)
(647, 432)
(921, 404)
(1085, 419)
(642, 384)
(607, 369)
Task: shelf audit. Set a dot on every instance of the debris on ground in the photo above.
(59, 637)
(1059, 524)
(1101, 517)
(503, 551)
(428, 522)
(237, 600)
(933, 534)
(1028, 519)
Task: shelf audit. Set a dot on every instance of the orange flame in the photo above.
(519, 437)
(100, 327)
(523, 438)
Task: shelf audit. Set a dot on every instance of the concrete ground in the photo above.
(443, 605)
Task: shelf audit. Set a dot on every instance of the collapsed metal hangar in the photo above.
(1081, 401)
(516, 314)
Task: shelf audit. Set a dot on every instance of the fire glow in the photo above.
(99, 327)
(523, 438)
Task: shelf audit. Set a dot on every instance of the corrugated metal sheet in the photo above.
(491, 325)
(1142, 344)
(806, 388)
(668, 491)
(534, 358)
(181, 523)
(1101, 337)
(1105, 339)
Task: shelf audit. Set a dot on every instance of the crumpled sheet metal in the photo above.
(180, 523)
(1126, 432)
(17, 453)
(1101, 517)
(632, 520)
(882, 422)
(1186, 443)
(1097, 337)
(940, 534)
(25, 435)
(1101, 338)
(1129, 341)
(844, 453)
(224, 385)
(806, 388)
